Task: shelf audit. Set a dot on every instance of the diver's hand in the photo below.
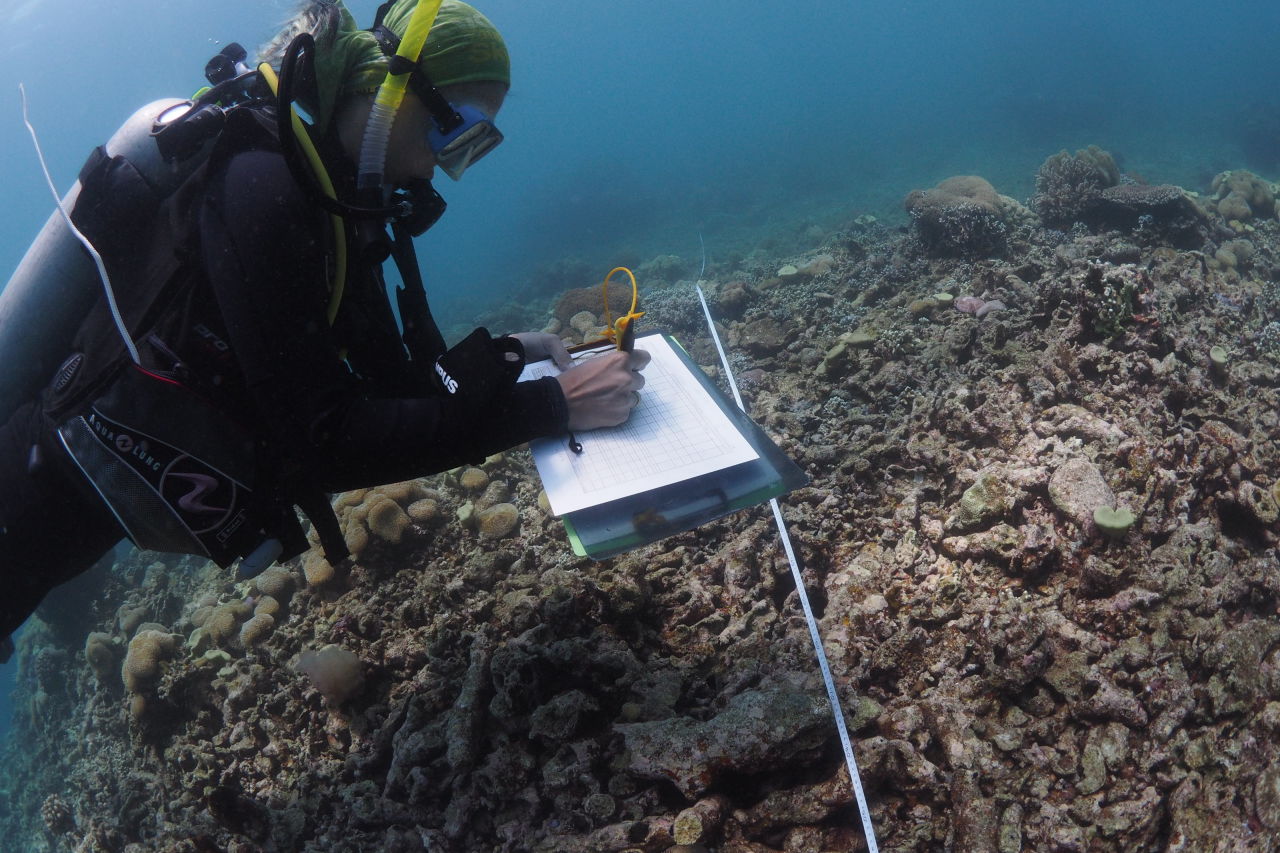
(540, 345)
(601, 391)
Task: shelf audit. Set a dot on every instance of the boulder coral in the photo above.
(266, 604)
(100, 651)
(316, 569)
(357, 538)
(224, 621)
(387, 520)
(589, 301)
(497, 521)
(425, 511)
(405, 492)
(473, 479)
(276, 581)
(960, 217)
(334, 671)
(378, 512)
(1241, 195)
(256, 629)
(142, 661)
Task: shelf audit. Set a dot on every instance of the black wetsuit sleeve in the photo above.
(263, 250)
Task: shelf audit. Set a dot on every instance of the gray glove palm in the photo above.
(540, 345)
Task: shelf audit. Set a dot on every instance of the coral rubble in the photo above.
(1040, 538)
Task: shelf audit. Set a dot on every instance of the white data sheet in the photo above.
(678, 432)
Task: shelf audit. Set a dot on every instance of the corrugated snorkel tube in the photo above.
(377, 133)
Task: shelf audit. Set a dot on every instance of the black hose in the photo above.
(289, 147)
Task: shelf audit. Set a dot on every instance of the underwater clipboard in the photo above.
(620, 523)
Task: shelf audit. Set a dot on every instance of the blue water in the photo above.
(8, 679)
(635, 125)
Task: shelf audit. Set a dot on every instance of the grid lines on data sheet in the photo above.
(665, 432)
(677, 433)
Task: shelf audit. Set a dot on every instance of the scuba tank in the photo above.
(56, 283)
(178, 474)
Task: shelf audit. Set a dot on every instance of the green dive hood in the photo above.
(462, 47)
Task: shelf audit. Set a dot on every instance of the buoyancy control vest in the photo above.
(179, 471)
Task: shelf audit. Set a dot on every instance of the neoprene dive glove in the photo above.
(479, 368)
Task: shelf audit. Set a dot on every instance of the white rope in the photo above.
(854, 778)
(97, 258)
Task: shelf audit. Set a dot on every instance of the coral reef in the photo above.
(1240, 195)
(1041, 546)
(959, 217)
(1068, 186)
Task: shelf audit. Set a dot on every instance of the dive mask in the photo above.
(459, 135)
(465, 142)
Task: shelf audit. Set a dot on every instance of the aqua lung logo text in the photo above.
(207, 501)
(124, 443)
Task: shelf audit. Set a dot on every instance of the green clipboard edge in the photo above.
(610, 529)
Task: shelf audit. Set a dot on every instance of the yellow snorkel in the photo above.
(377, 133)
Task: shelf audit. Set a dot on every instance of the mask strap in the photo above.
(447, 119)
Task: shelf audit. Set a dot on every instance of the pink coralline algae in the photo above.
(977, 306)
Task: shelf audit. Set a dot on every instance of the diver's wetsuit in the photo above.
(263, 253)
(257, 334)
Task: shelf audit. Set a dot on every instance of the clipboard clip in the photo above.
(619, 334)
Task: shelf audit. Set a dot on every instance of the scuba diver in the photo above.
(235, 353)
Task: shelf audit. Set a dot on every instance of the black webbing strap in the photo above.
(316, 506)
(421, 335)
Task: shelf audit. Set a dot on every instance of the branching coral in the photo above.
(1109, 297)
(1069, 186)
